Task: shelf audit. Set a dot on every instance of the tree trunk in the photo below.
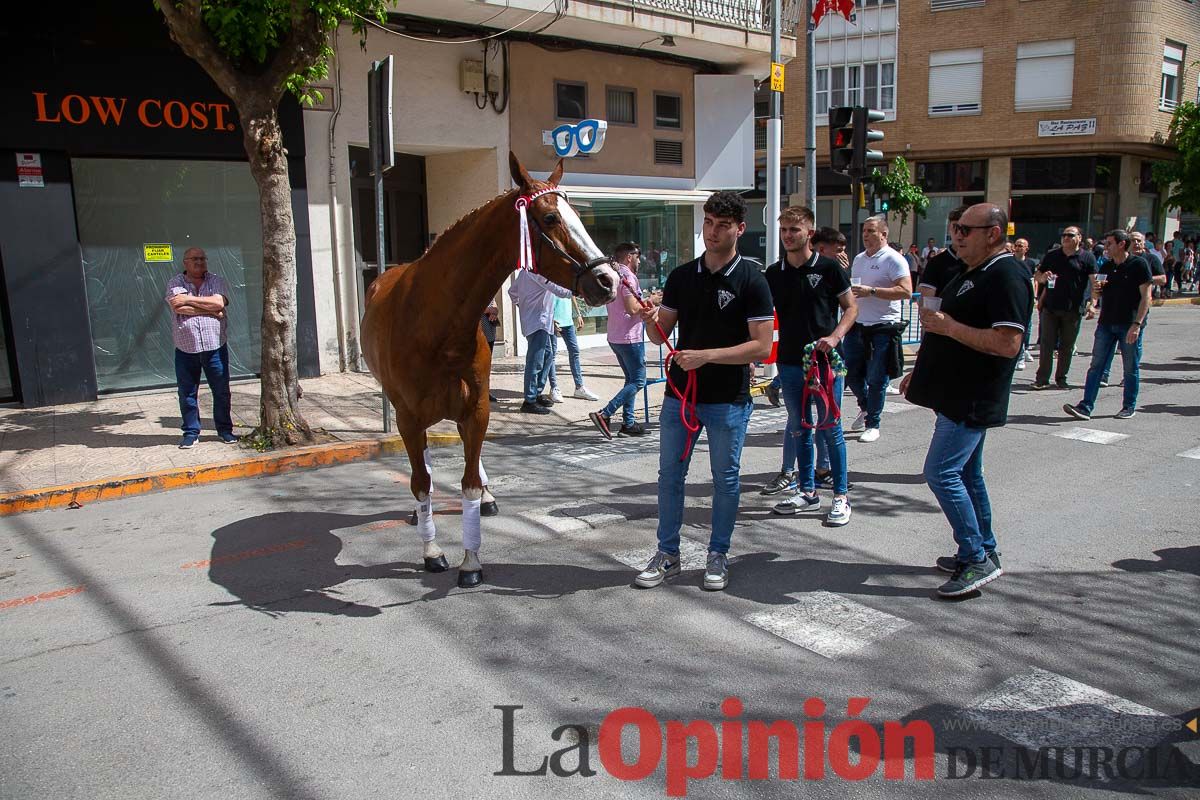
(280, 422)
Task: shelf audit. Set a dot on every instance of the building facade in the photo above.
(1054, 109)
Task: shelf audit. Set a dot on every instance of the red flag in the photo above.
(823, 7)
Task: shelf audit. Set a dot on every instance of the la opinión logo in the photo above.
(732, 748)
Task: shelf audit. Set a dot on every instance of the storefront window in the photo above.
(123, 204)
(662, 228)
(933, 225)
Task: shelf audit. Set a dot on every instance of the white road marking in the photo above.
(1044, 709)
(693, 555)
(577, 516)
(1193, 453)
(827, 624)
(1090, 435)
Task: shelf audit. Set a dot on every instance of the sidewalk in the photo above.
(128, 443)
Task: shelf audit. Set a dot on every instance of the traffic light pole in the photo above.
(774, 141)
(810, 115)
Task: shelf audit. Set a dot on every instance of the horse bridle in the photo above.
(577, 268)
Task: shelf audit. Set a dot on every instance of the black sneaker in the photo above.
(825, 481)
(188, 441)
(543, 400)
(969, 577)
(636, 429)
(1063, 385)
(783, 482)
(1039, 385)
(601, 423)
(533, 408)
(949, 564)
(227, 438)
(1126, 413)
(1076, 412)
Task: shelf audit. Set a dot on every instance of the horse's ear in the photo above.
(556, 176)
(519, 175)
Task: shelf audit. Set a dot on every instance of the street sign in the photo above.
(156, 253)
(776, 77)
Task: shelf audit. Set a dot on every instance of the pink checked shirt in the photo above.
(200, 333)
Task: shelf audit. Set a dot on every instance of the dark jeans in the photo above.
(1110, 338)
(537, 363)
(1059, 330)
(870, 388)
(632, 358)
(215, 365)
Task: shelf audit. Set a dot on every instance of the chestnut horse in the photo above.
(422, 340)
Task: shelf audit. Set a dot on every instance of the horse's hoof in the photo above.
(439, 564)
(489, 509)
(467, 580)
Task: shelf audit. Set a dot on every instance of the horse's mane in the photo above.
(458, 230)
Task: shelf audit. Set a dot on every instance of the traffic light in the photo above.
(861, 135)
(841, 139)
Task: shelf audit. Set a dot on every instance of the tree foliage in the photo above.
(904, 197)
(1181, 177)
(255, 50)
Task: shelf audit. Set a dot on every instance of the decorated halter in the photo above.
(527, 256)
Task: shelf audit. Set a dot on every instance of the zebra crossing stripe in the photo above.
(827, 624)
(1193, 453)
(1090, 435)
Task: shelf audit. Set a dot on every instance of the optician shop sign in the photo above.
(1067, 127)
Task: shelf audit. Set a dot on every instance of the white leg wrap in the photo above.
(482, 473)
(470, 520)
(425, 507)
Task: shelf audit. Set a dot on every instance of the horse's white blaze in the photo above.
(577, 232)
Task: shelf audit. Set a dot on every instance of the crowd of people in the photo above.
(840, 330)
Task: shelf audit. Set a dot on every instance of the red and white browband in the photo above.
(525, 256)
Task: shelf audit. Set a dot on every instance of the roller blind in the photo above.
(1045, 75)
(955, 82)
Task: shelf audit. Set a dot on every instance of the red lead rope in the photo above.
(687, 398)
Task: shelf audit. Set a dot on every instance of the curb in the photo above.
(1176, 301)
(316, 456)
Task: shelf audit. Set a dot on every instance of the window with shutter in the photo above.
(951, 5)
(621, 105)
(1045, 75)
(955, 82)
(1172, 69)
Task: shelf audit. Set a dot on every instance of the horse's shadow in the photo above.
(287, 561)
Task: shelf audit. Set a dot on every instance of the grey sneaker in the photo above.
(949, 564)
(1126, 413)
(783, 482)
(969, 577)
(798, 503)
(716, 574)
(661, 567)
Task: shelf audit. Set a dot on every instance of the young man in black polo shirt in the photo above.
(1062, 306)
(964, 372)
(943, 266)
(808, 290)
(723, 307)
(1126, 302)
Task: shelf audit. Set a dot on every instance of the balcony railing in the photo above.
(754, 15)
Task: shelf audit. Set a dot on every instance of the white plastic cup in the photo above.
(931, 304)
(856, 281)
(1051, 279)
(1100, 278)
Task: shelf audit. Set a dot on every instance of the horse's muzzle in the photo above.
(599, 284)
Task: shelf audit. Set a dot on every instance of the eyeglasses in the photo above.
(965, 230)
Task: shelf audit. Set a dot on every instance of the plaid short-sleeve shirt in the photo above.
(198, 334)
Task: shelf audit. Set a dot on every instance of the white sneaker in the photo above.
(869, 435)
(584, 393)
(840, 513)
(556, 395)
(1021, 364)
(892, 389)
(860, 421)
(798, 503)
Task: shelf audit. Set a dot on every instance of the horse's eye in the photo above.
(552, 218)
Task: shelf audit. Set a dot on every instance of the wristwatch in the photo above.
(872, 291)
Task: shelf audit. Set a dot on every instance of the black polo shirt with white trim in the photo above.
(714, 310)
(940, 269)
(806, 301)
(958, 381)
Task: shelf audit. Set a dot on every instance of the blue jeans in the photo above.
(572, 343)
(799, 440)
(1141, 335)
(537, 356)
(215, 365)
(726, 424)
(1108, 339)
(871, 390)
(632, 358)
(954, 472)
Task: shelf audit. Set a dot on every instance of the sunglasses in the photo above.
(965, 230)
(1070, 236)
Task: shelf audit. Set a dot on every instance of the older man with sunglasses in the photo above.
(1066, 273)
(964, 372)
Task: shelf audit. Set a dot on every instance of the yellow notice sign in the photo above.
(776, 77)
(157, 253)
(1012, 229)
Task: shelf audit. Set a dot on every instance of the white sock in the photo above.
(482, 473)
(470, 520)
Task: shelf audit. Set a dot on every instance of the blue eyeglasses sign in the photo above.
(583, 137)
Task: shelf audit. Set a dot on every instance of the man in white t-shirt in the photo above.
(880, 280)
